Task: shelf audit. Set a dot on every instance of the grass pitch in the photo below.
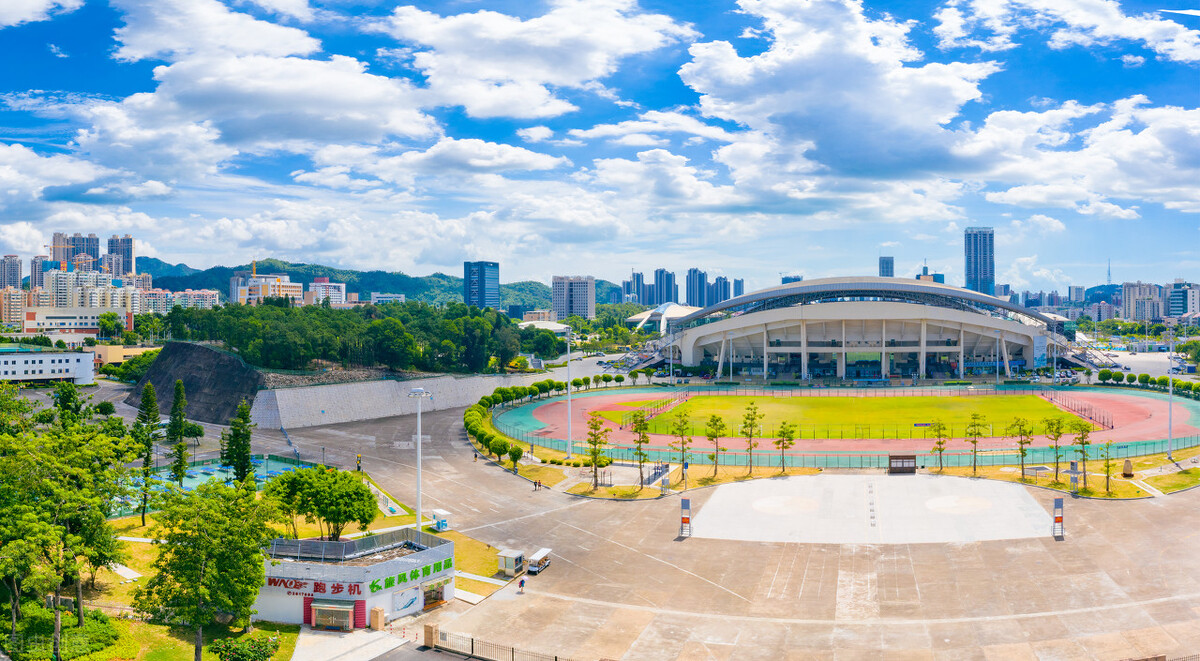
(858, 417)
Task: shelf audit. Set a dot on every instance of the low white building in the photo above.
(378, 297)
(336, 585)
(25, 363)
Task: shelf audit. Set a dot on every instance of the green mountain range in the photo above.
(436, 288)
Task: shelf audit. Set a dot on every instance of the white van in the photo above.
(539, 561)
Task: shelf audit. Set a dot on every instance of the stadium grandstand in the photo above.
(863, 328)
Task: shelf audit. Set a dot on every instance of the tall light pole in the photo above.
(419, 394)
(1170, 393)
(997, 357)
(570, 438)
(670, 352)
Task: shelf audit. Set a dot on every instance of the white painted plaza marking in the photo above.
(871, 509)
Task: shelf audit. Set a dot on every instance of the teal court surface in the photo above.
(871, 509)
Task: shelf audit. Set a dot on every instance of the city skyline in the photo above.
(740, 139)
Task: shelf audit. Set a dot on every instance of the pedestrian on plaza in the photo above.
(521, 586)
(476, 455)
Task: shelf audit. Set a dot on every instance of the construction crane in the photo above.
(78, 259)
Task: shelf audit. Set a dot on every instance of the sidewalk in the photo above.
(358, 645)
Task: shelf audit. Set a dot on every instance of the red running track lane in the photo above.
(1134, 419)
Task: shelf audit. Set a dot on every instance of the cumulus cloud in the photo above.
(654, 122)
(1132, 61)
(178, 29)
(496, 65)
(535, 133)
(16, 12)
(841, 82)
(991, 25)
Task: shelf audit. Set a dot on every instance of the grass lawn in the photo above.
(471, 555)
(619, 493)
(1189, 477)
(156, 642)
(549, 475)
(858, 417)
(1121, 488)
(1156, 460)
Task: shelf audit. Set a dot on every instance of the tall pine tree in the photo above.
(176, 430)
(143, 434)
(236, 443)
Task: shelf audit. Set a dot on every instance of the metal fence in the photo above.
(1079, 407)
(658, 406)
(482, 649)
(349, 549)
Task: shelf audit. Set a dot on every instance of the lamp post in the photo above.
(419, 394)
(570, 438)
(1170, 394)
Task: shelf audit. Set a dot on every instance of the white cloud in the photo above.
(178, 29)
(839, 82)
(640, 140)
(535, 133)
(1132, 61)
(1037, 226)
(25, 175)
(497, 65)
(1084, 23)
(22, 238)
(656, 121)
(298, 9)
(16, 12)
(56, 51)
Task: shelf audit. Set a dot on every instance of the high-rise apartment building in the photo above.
(12, 306)
(980, 250)
(37, 271)
(719, 290)
(739, 287)
(10, 272)
(481, 284)
(85, 251)
(113, 264)
(1141, 301)
(634, 290)
(1075, 293)
(1003, 291)
(251, 288)
(887, 267)
(696, 287)
(123, 246)
(665, 290)
(573, 295)
(321, 289)
(61, 248)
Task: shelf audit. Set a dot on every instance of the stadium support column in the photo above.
(921, 360)
(1004, 352)
(721, 359)
(883, 365)
(841, 366)
(764, 353)
(803, 350)
(961, 339)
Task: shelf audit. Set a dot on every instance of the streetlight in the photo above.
(419, 394)
(570, 438)
(1170, 393)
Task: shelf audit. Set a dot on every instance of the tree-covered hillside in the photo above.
(436, 288)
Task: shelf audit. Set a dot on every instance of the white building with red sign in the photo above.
(335, 585)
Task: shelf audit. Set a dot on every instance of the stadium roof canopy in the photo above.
(862, 288)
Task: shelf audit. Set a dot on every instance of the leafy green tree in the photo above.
(976, 428)
(1108, 467)
(786, 438)
(498, 446)
(210, 559)
(1143, 379)
(144, 427)
(751, 420)
(514, 454)
(106, 408)
(606, 378)
(633, 377)
(1023, 432)
(339, 498)
(1082, 430)
(714, 431)
(236, 443)
(682, 431)
(68, 403)
(577, 383)
(1131, 377)
(110, 325)
(619, 379)
(290, 492)
(941, 434)
(597, 440)
(641, 436)
(1054, 430)
(1087, 375)
(1105, 375)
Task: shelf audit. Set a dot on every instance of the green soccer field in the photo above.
(859, 417)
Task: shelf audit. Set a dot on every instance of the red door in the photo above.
(360, 614)
(308, 610)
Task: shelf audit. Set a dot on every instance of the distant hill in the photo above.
(436, 288)
(158, 268)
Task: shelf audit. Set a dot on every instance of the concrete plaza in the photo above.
(870, 509)
(1122, 584)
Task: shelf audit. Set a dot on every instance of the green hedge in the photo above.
(35, 633)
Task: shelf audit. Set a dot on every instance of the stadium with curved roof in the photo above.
(863, 328)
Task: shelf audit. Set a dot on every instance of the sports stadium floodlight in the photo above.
(997, 357)
(1170, 392)
(419, 394)
(570, 438)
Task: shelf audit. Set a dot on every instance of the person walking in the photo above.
(521, 587)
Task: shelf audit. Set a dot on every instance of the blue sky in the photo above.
(599, 136)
